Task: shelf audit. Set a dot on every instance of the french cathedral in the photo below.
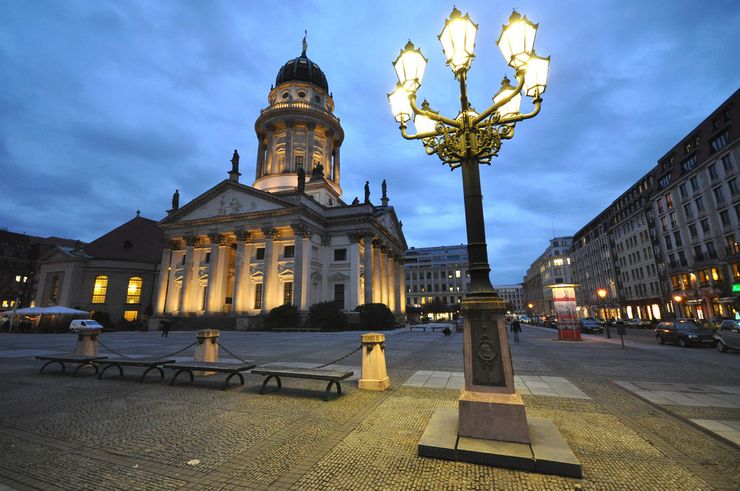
(289, 238)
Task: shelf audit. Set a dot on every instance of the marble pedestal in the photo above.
(374, 372)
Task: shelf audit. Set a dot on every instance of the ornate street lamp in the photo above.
(678, 299)
(489, 406)
(601, 292)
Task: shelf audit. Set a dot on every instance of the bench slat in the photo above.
(211, 366)
(309, 373)
(138, 362)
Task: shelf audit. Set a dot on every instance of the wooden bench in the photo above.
(333, 376)
(149, 363)
(81, 360)
(233, 369)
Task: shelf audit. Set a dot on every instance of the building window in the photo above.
(703, 277)
(675, 282)
(289, 251)
(339, 294)
(727, 163)
(133, 292)
(719, 142)
(131, 315)
(207, 258)
(258, 296)
(668, 201)
(54, 288)
(674, 222)
(260, 253)
(699, 202)
(724, 217)
(665, 181)
(100, 289)
(716, 275)
(732, 184)
(692, 231)
(298, 162)
(711, 251)
(687, 210)
(340, 254)
(682, 190)
(288, 293)
(713, 171)
(705, 226)
(718, 194)
(736, 271)
(677, 238)
(732, 246)
(688, 164)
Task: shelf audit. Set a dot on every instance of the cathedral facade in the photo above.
(289, 238)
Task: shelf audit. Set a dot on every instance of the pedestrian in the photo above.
(165, 328)
(516, 328)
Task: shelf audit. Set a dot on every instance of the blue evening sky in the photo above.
(107, 106)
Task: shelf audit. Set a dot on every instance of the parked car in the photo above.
(524, 318)
(638, 323)
(728, 335)
(551, 321)
(590, 326)
(684, 332)
(713, 323)
(78, 324)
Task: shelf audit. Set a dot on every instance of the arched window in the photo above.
(54, 295)
(100, 289)
(133, 293)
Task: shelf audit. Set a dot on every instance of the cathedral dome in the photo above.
(302, 69)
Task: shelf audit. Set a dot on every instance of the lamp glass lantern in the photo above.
(516, 41)
(601, 292)
(424, 124)
(511, 107)
(535, 78)
(400, 104)
(410, 66)
(458, 40)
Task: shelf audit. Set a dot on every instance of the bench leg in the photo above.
(120, 371)
(143, 375)
(241, 379)
(50, 362)
(86, 364)
(327, 393)
(264, 384)
(172, 382)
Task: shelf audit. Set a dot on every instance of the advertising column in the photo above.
(564, 299)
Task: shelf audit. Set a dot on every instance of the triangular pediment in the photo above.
(226, 199)
(388, 220)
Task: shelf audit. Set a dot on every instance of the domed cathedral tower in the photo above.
(298, 134)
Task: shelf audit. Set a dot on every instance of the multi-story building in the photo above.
(697, 215)
(592, 264)
(436, 273)
(513, 295)
(635, 262)
(552, 267)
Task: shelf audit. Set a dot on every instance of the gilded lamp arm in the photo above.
(433, 116)
(495, 106)
(520, 117)
(418, 136)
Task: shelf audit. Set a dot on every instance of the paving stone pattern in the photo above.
(64, 432)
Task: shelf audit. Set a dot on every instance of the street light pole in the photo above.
(466, 141)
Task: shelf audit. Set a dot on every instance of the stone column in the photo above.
(260, 170)
(217, 273)
(401, 285)
(270, 280)
(374, 373)
(301, 265)
(241, 301)
(390, 277)
(309, 148)
(336, 163)
(355, 295)
(289, 164)
(163, 280)
(187, 275)
(377, 273)
(269, 158)
(171, 302)
(368, 267)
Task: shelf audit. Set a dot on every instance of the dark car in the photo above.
(590, 326)
(728, 335)
(684, 332)
(551, 321)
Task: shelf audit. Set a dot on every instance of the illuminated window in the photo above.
(457, 273)
(716, 274)
(258, 295)
(133, 294)
(288, 293)
(100, 289)
(558, 262)
(131, 315)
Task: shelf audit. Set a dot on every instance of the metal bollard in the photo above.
(374, 374)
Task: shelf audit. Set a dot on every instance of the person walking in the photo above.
(165, 328)
(516, 328)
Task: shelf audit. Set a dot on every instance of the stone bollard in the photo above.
(374, 374)
(87, 342)
(206, 347)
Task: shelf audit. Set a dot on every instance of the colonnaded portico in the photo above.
(289, 238)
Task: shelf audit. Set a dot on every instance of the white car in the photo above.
(78, 324)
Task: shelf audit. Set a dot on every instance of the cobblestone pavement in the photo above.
(64, 432)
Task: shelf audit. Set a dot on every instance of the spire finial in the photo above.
(305, 43)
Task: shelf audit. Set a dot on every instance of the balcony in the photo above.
(303, 106)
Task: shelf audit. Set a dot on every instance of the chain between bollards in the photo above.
(232, 353)
(342, 358)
